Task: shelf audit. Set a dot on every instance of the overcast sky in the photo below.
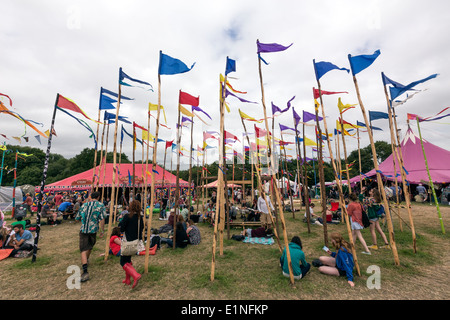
(75, 47)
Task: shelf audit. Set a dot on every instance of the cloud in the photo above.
(74, 48)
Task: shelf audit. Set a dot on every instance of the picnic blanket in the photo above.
(259, 240)
(4, 253)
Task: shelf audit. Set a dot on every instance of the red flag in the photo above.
(260, 132)
(207, 135)
(68, 104)
(135, 125)
(186, 98)
(316, 92)
(169, 144)
(230, 135)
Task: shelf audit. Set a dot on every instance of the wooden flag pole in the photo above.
(379, 180)
(305, 179)
(101, 159)
(152, 190)
(95, 152)
(429, 177)
(289, 183)
(277, 194)
(104, 166)
(117, 192)
(359, 159)
(220, 187)
(323, 194)
(190, 168)
(345, 155)
(399, 155)
(114, 173)
(134, 162)
(146, 165)
(177, 189)
(341, 194)
(261, 191)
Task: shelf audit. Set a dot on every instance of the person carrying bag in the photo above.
(132, 228)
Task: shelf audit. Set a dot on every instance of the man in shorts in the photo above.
(92, 215)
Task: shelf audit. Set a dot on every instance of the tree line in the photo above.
(29, 168)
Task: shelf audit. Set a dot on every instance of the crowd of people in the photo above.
(181, 230)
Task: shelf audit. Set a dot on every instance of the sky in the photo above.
(76, 47)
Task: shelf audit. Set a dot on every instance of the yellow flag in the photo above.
(185, 111)
(154, 107)
(147, 136)
(246, 117)
(343, 107)
(309, 142)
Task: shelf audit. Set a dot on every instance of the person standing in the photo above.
(265, 212)
(131, 225)
(92, 215)
(373, 204)
(354, 211)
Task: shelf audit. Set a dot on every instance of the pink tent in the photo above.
(215, 183)
(414, 163)
(83, 180)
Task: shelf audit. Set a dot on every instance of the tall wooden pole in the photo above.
(95, 152)
(305, 181)
(399, 156)
(379, 180)
(277, 194)
(101, 160)
(341, 195)
(323, 194)
(114, 173)
(345, 155)
(152, 190)
(359, 159)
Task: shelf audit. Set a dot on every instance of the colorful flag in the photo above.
(344, 107)
(185, 111)
(296, 118)
(283, 128)
(231, 66)
(323, 92)
(111, 118)
(361, 62)
(126, 80)
(68, 104)
(246, 117)
(196, 108)
(323, 67)
(10, 101)
(260, 132)
(184, 119)
(207, 135)
(107, 102)
(307, 116)
(397, 91)
(186, 98)
(230, 135)
(222, 79)
(375, 115)
(83, 123)
(228, 93)
(362, 124)
(169, 65)
(270, 47)
(4, 109)
(154, 107)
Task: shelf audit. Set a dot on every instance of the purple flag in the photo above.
(271, 47)
(277, 109)
(194, 108)
(184, 119)
(227, 93)
(307, 116)
(296, 118)
(283, 127)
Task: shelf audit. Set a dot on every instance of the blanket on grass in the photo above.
(260, 240)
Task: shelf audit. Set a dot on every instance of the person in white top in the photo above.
(262, 208)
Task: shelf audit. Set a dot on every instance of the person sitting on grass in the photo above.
(298, 262)
(193, 233)
(181, 237)
(21, 240)
(341, 262)
(260, 232)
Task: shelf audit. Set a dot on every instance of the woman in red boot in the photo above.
(131, 225)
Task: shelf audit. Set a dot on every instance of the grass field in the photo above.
(243, 272)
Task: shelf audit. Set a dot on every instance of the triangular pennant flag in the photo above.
(169, 65)
(361, 62)
(186, 98)
(323, 67)
(126, 80)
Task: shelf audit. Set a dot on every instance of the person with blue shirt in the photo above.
(21, 240)
(341, 262)
(299, 265)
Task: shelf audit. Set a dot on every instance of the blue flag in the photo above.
(111, 118)
(323, 67)
(106, 102)
(397, 91)
(126, 80)
(361, 62)
(231, 66)
(169, 65)
(375, 115)
(362, 124)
